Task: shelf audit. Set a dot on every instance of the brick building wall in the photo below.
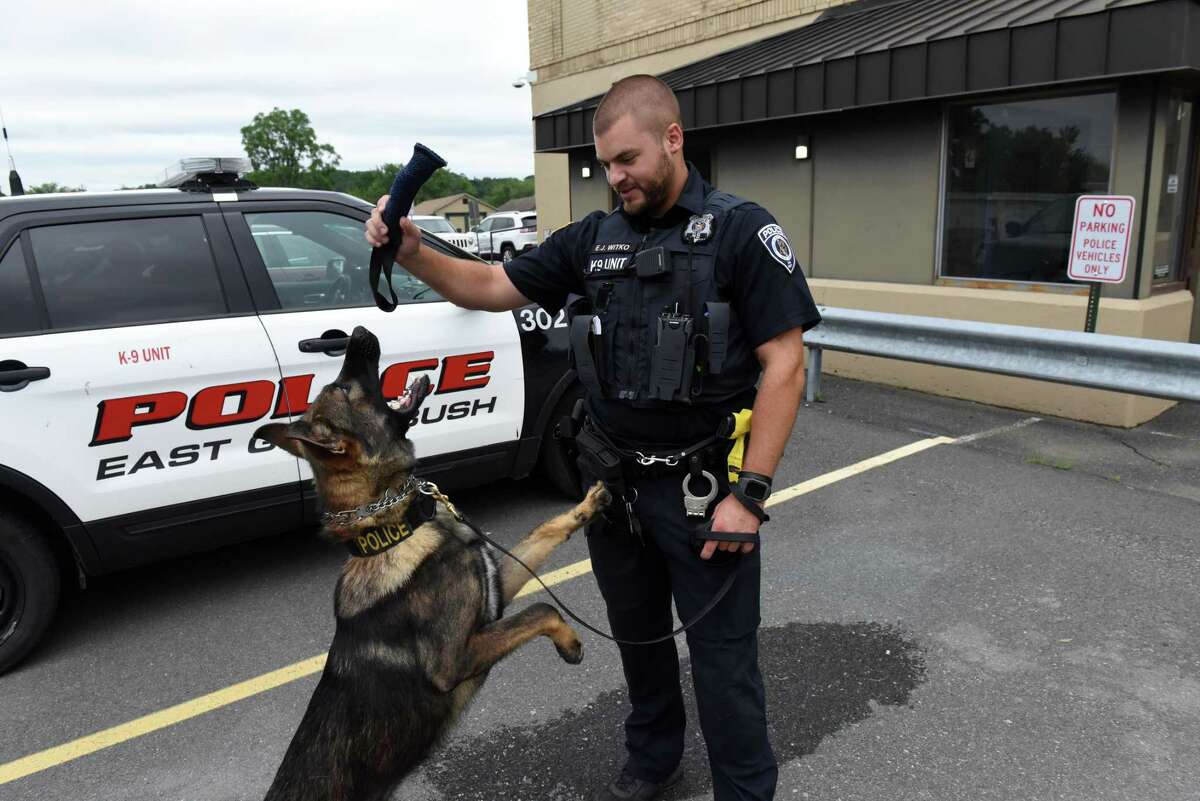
(572, 36)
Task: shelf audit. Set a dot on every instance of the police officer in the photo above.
(680, 301)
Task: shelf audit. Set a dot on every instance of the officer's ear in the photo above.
(673, 138)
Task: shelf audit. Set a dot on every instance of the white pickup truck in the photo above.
(441, 228)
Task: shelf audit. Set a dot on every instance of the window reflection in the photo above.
(1012, 175)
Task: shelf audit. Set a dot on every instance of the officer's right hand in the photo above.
(377, 233)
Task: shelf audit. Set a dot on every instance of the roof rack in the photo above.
(208, 174)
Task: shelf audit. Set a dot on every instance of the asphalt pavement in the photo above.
(1009, 613)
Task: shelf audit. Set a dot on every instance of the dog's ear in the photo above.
(405, 408)
(291, 436)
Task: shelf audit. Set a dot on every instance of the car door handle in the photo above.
(18, 376)
(333, 343)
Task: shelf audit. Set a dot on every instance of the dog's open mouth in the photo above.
(412, 397)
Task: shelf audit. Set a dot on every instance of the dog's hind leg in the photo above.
(497, 640)
(534, 549)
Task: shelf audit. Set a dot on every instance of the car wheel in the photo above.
(507, 254)
(29, 587)
(556, 462)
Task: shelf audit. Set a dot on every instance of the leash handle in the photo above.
(409, 180)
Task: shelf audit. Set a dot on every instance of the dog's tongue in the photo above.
(413, 394)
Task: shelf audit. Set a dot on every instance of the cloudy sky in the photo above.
(108, 94)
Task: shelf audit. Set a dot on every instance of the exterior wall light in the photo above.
(586, 171)
(801, 147)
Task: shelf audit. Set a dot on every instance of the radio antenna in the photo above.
(14, 180)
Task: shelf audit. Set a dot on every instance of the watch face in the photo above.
(756, 490)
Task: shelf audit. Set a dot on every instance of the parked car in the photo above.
(505, 234)
(441, 228)
(145, 335)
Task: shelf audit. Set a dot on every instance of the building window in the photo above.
(1170, 222)
(1013, 171)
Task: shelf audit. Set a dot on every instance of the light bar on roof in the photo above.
(189, 169)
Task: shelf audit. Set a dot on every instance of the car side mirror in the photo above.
(1013, 228)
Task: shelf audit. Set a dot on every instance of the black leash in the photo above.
(707, 607)
(422, 507)
(432, 490)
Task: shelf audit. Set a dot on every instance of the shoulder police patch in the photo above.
(776, 243)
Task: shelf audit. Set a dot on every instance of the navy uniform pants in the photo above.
(638, 579)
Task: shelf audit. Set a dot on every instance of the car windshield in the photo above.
(529, 221)
(438, 225)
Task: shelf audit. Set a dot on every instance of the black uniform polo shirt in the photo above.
(755, 269)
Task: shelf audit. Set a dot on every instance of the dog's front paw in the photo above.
(572, 650)
(598, 498)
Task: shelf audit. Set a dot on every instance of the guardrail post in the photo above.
(812, 380)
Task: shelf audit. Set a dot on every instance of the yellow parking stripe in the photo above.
(557, 577)
(158, 720)
(805, 487)
(75, 749)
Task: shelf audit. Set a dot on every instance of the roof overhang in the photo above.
(872, 53)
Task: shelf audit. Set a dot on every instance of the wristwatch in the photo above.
(755, 486)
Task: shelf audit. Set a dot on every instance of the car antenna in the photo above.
(14, 180)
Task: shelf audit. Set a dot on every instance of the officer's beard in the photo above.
(655, 190)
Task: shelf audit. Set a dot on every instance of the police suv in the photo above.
(144, 335)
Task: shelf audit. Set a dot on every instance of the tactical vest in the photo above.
(653, 329)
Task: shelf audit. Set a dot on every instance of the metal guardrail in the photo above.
(1150, 367)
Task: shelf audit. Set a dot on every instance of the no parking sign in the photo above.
(1100, 245)
(1100, 238)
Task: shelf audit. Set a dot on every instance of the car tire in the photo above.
(556, 462)
(507, 254)
(29, 588)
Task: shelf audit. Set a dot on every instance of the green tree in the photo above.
(371, 184)
(366, 184)
(50, 187)
(284, 151)
(498, 191)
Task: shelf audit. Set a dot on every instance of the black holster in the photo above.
(599, 460)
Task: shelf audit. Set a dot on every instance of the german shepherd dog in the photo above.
(419, 624)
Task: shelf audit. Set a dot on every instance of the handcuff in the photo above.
(751, 489)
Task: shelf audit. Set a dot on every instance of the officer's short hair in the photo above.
(649, 99)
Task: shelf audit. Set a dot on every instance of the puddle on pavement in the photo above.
(820, 677)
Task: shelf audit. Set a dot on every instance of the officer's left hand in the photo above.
(730, 515)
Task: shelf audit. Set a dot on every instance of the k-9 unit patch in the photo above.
(776, 243)
(608, 265)
(699, 229)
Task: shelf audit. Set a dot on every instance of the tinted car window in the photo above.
(318, 260)
(17, 311)
(125, 272)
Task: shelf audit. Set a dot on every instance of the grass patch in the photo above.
(1050, 461)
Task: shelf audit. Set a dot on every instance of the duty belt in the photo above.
(735, 427)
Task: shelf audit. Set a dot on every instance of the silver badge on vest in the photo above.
(699, 229)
